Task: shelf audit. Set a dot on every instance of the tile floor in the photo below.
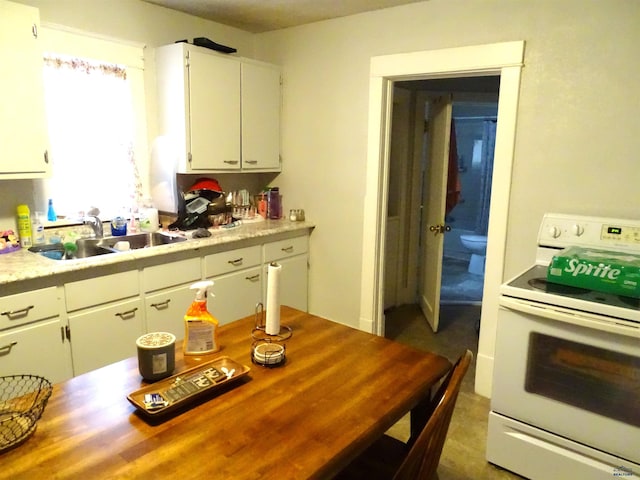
(463, 457)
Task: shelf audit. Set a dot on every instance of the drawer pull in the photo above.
(253, 278)
(287, 249)
(231, 162)
(13, 314)
(127, 314)
(252, 162)
(161, 305)
(7, 348)
(237, 262)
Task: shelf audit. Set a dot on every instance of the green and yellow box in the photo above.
(599, 270)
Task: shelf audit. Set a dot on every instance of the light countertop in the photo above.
(24, 265)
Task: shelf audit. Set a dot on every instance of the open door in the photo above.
(434, 202)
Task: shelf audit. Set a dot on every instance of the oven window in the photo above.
(601, 381)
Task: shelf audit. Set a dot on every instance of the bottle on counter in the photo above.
(51, 213)
(37, 229)
(24, 226)
(201, 328)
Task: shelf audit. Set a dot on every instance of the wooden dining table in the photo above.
(338, 390)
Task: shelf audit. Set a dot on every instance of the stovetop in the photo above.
(532, 285)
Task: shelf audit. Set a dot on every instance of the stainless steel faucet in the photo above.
(95, 223)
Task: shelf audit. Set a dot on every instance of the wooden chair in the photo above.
(389, 458)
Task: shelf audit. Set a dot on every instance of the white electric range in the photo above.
(566, 386)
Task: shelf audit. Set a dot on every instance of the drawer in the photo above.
(22, 351)
(171, 274)
(28, 307)
(232, 260)
(99, 290)
(285, 248)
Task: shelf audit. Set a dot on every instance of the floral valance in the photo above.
(85, 66)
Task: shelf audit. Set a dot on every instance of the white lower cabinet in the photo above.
(293, 282)
(292, 254)
(236, 295)
(37, 349)
(33, 337)
(167, 294)
(165, 310)
(106, 316)
(237, 282)
(106, 334)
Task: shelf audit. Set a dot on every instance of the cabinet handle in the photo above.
(46, 156)
(8, 348)
(231, 162)
(14, 314)
(287, 249)
(128, 313)
(253, 278)
(34, 30)
(237, 262)
(160, 305)
(252, 162)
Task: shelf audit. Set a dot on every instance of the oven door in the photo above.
(569, 373)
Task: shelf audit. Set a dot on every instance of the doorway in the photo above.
(504, 59)
(441, 162)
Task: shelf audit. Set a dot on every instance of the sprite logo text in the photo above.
(599, 271)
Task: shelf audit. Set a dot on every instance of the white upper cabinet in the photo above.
(217, 112)
(23, 130)
(260, 116)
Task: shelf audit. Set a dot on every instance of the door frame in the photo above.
(504, 59)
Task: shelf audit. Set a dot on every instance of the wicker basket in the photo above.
(22, 401)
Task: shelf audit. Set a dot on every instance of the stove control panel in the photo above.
(561, 230)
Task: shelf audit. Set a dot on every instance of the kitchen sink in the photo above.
(91, 247)
(84, 250)
(139, 240)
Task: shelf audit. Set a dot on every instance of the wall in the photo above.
(574, 148)
(130, 20)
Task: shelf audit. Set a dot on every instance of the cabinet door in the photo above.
(260, 117)
(23, 133)
(235, 295)
(214, 99)
(38, 349)
(165, 311)
(293, 287)
(100, 336)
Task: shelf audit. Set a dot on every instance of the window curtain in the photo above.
(91, 128)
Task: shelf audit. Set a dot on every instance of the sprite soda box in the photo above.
(599, 270)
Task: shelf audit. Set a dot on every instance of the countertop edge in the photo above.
(24, 265)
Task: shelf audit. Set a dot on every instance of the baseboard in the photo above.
(484, 375)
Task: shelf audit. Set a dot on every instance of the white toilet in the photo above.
(477, 245)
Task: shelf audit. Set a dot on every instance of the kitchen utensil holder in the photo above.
(22, 401)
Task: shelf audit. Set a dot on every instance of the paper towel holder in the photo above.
(259, 333)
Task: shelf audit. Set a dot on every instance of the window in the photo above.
(96, 124)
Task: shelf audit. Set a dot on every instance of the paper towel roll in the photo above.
(272, 326)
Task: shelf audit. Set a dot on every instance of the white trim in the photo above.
(71, 41)
(504, 59)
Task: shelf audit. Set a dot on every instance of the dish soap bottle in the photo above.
(201, 328)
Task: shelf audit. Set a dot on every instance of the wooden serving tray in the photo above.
(185, 387)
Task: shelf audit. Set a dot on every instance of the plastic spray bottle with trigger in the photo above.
(201, 328)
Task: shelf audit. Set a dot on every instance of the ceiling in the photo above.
(265, 15)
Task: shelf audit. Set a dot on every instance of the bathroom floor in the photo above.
(458, 285)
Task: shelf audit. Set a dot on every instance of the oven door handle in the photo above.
(582, 319)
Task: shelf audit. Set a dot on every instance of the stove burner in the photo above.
(633, 302)
(549, 287)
